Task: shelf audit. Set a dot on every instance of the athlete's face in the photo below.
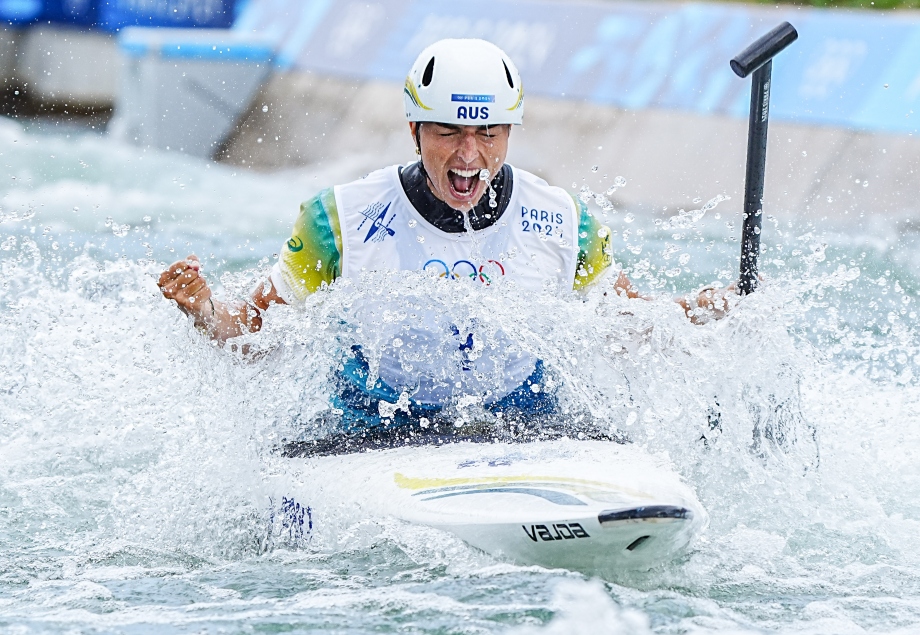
(454, 155)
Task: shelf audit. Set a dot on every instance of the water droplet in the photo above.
(412, 222)
(147, 219)
(886, 85)
(830, 199)
(259, 140)
(629, 218)
(594, 168)
(865, 184)
(264, 108)
(684, 259)
(697, 200)
(483, 174)
(421, 239)
(804, 154)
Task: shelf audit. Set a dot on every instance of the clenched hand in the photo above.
(182, 281)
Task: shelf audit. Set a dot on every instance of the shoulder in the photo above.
(318, 223)
(531, 180)
(595, 253)
(533, 183)
(320, 213)
(312, 255)
(322, 202)
(382, 178)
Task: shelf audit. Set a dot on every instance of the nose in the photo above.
(468, 147)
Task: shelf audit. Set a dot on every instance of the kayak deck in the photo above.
(592, 506)
(389, 438)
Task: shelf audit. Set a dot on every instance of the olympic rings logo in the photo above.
(465, 268)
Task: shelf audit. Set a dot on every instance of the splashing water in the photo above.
(134, 452)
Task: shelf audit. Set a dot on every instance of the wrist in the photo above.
(205, 317)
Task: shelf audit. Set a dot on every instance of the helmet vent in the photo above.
(507, 74)
(429, 72)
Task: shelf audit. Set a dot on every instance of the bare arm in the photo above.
(183, 282)
(710, 303)
(625, 288)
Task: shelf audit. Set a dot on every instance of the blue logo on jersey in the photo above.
(488, 99)
(472, 112)
(541, 222)
(376, 213)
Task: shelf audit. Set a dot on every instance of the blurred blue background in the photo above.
(854, 69)
(114, 14)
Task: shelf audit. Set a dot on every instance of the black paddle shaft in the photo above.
(757, 59)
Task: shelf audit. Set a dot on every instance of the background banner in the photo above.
(855, 69)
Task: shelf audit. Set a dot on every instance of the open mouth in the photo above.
(463, 182)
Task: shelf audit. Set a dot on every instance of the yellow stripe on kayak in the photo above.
(420, 483)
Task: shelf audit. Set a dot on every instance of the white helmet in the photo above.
(466, 83)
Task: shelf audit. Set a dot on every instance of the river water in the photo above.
(133, 453)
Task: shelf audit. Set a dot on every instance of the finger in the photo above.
(188, 276)
(192, 261)
(184, 294)
(170, 274)
(177, 285)
(172, 271)
(170, 289)
(197, 292)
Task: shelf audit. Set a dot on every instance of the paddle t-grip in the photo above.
(757, 59)
(763, 50)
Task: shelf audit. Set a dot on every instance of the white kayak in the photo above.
(584, 505)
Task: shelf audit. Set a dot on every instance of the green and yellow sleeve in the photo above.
(595, 255)
(313, 255)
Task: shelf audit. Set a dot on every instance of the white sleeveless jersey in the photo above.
(381, 230)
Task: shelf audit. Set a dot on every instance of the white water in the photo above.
(133, 451)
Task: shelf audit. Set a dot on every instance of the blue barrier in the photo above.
(177, 44)
(80, 12)
(115, 14)
(637, 55)
(20, 11)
